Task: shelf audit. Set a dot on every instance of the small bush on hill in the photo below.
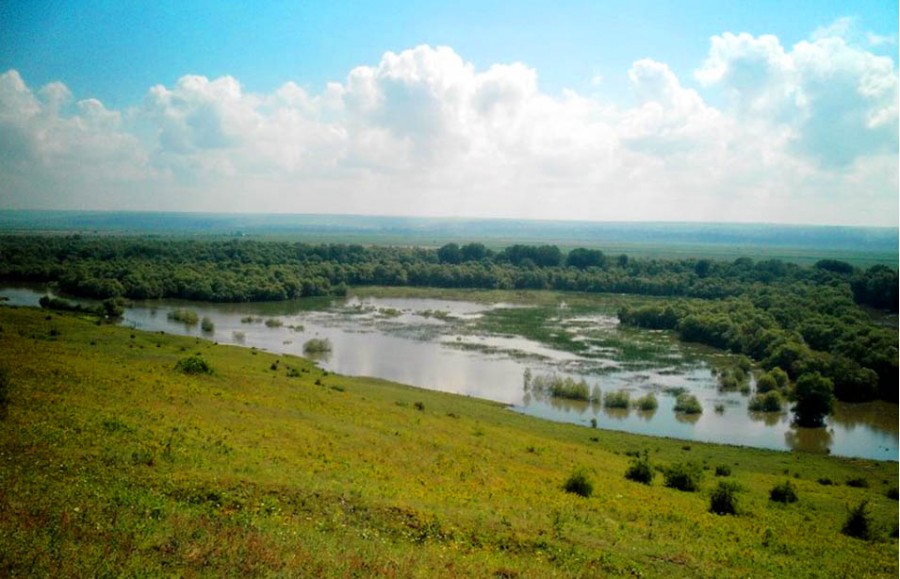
(193, 365)
(858, 482)
(724, 499)
(783, 493)
(858, 523)
(684, 477)
(579, 483)
(640, 470)
(723, 470)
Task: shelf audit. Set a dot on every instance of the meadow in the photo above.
(120, 455)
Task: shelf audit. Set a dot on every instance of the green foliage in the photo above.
(783, 493)
(619, 399)
(561, 387)
(859, 522)
(274, 323)
(640, 470)
(766, 383)
(723, 470)
(685, 476)
(194, 364)
(814, 399)
(579, 483)
(207, 325)
(646, 403)
(724, 498)
(185, 316)
(317, 346)
(858, 482)
(688, 404)
(769, 402)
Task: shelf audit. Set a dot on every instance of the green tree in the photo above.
(814, 399)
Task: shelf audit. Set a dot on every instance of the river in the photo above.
(481, 350)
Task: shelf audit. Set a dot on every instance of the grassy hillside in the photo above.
(113, 462)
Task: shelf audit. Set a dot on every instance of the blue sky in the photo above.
(607, 110)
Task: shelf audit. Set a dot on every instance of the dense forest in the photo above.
(805, 320)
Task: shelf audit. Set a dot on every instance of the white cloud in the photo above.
(809, 135)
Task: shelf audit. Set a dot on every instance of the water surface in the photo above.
(479, 350)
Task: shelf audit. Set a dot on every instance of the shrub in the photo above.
(825, 481)
(193, 365)
(814, 396)
(723, 470)
(768, 402)
(618, 399)
(766, 383)
(274, 323)
(579, 483)
(646, 403)
(858, 523)
(207, 325)
(640, 470)
(688, 404)
(684, 477)
(724, 499)
(317, 346)
(188, 317)
(783, 493)
(858, 482)
(892, 493)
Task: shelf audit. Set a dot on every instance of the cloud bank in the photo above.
(805, 134)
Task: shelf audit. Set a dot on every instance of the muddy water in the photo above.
(479, 350)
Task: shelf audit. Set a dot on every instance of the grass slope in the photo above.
(113, 463)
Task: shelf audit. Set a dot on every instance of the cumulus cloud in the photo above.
(808, 133)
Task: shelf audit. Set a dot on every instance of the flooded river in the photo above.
(484, 350)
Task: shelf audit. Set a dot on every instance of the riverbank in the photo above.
(114, 462)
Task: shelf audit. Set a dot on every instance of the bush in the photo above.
(274, 323)
(814, 396)
(688, 404)
(724, 499)
(193, 365)
(207, 325)
(892, 493)
(858, 523)
(579, 483)
(723, 470)
(768, 402)
(646, 403)
(618, 399)
(188, 317)
(317, 346)
(783, 493)
(640, 470)
(858, 482)
(684, 477)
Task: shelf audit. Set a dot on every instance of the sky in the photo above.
(725, 111)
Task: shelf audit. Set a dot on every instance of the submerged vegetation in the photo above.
(116, 463)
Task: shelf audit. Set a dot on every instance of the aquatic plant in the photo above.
(317, 346)
(688, 404)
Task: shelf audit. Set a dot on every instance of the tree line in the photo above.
(801, 319)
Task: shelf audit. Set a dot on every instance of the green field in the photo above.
(115, 463)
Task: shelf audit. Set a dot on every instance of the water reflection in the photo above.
(414, 341)
(817, 440)
(767, 418)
